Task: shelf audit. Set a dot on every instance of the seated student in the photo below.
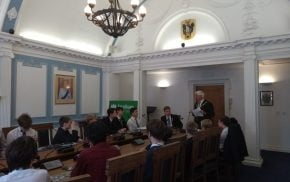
(24, 129)
(223, 123)
(92, 161)
(171, 120)
(121, 119)
(63, 134)
(206, 124)
(111, 121)
(234, 148)
(19, 155)
(134, 123)
(156, 131)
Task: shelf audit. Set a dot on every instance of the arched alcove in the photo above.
(209, 29)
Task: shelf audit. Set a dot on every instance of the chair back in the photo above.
(199, 147)
(81, 178)
(213, 139)
(181, 157)
(165, 160)
(82, 125)
(129, 168)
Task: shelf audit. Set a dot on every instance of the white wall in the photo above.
(31, 90)
(178, 94)
(91, 93)
(275, 120)
(121, 86)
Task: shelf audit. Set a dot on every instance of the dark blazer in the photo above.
(208, 108)
(64, 136)
(148, 173)
(122, 122)
(235, 148)
(112, 126)
(176, 123)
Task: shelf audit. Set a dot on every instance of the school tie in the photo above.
(23, 133)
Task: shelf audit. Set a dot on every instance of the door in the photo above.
(214, 94)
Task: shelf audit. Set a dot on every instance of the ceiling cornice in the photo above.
(217, 53)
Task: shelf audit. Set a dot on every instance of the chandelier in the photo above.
(115, 21)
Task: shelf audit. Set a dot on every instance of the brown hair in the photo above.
(24, 121)
(166, 108)
(156, 128)
(191, 127)
(20, 153)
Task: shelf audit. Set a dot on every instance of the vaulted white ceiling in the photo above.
(63, 23)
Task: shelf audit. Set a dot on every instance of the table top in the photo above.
(126, 147)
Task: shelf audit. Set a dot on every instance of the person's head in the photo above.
(234, 121)
(96, 132)
(119, 111)
(206, 123)
(167, 110)
(65, 122)
(191, 127)
(91, 118)
(199, 95)
(156, 130)
(134, 112)
(224, 122)
(20, 153)
(24, 121)
(112, 112)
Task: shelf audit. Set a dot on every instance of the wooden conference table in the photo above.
(125, 146)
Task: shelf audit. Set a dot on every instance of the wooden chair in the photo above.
(198, 158)
(131, 166)
(212, 152)
(81, 178)
(44, 132)
(181, 157)
(165, 160)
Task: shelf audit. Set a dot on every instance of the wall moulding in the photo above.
(218, 53)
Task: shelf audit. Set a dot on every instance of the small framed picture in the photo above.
(266, 98)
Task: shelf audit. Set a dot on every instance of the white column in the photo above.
(139, 92)
(105, 92)
(252, 127)
(6, 56)
(3, 10)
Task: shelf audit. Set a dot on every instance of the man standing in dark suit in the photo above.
(171, 120)
(203, 109)
(111, 121)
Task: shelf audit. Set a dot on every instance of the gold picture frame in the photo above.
(65, 89)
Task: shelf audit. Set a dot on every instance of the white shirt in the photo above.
(17, 132)
(132, 126)
(27, 175)
(169, 121)
(223, 137)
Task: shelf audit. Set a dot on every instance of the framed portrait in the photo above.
(65, 89)
(266, 98)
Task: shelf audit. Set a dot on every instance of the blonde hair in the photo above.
(91, 118)
(206, 123)
(191, 127)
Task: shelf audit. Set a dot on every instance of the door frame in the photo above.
(227, 86)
